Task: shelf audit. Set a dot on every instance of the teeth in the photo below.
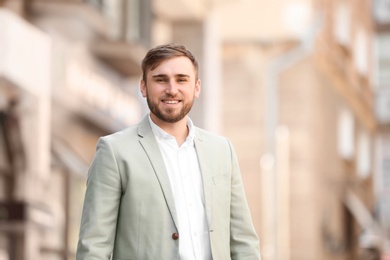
(171, 101)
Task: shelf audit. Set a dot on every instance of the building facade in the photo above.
(381, 14)
(298, 103)
(69, 73)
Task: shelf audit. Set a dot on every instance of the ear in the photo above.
(143, 87)
(197, 89)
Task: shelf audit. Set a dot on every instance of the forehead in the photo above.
(174, 66)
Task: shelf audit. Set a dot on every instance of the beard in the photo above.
(169, 115)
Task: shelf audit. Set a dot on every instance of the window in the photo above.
(383, 186)
(361, 51)
(346, 135)
(384, 164)
(382, 11)
(383, 60)
(384, 213)
(112, 11)
(296, 16)
(96, 3)
(364, 155)
(130, 20)
(342, 23)
(386, 174)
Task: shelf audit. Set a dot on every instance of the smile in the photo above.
(171, 101)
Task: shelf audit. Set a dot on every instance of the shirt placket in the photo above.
(184, 166)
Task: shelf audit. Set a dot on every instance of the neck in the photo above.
(179, 129)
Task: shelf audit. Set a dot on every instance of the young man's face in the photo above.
(170, 89)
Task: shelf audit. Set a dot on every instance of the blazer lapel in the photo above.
(204, 162)
(151, 148)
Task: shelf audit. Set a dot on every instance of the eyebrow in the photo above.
(182, 76)
(176, 76)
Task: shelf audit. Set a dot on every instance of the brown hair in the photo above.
(161, 53)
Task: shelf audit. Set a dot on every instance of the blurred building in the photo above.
(381, 81)
(290, 82)
(69, 73)
(298, 103)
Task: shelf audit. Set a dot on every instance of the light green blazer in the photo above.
(129, 209)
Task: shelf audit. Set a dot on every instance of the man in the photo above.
(164, 189)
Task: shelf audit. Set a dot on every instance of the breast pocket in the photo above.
(222, 188)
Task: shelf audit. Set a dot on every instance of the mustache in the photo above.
(166, 96)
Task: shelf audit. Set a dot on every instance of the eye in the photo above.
(182, 80)
(160, 80)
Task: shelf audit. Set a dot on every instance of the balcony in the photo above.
(75, 13)
(114, 31)
(125, 57)
(128, 36)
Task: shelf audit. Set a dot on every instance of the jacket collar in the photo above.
(150, 145)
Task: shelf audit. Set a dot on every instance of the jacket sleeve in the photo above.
(101, 204)
(244, 243)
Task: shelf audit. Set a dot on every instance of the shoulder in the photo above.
(124, 136)
(212, 138)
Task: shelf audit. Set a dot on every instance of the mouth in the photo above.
(171, 101)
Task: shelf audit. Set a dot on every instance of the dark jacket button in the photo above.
(175, 236)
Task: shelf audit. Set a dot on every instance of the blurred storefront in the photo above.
(66, 79)
(25, 136)
(69, 73)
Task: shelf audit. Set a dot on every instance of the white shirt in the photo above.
(187, 188)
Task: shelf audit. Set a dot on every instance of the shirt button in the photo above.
(175, 236)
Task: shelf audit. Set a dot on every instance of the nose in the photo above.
(171, 88)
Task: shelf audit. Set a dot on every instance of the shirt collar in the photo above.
(161, 134)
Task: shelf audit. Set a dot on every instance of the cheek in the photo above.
(152, 93)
